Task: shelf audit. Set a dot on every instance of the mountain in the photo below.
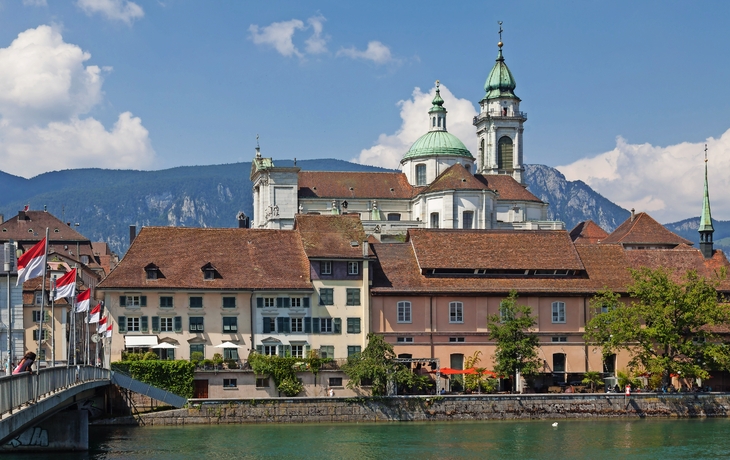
(688, 228)
(106, 202)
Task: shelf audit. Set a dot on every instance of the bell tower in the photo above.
(706, 230)
(500, 123)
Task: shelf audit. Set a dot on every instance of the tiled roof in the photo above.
(456, 177)
(679, 260)
(331, 236)
(244, 259)
(643, 229)
(507, 187)
(587, 232)
(375, 185)
(494, 249)
(31, 226)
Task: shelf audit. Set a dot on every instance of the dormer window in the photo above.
(210, 272)
(153, 272)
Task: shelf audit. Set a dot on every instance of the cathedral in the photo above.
(441, 183)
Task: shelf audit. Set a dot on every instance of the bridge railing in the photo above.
(26, 388)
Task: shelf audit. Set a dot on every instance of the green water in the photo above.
(610, 439)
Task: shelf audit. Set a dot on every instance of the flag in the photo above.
(95, 313)
(101, 325)
(32, 262)
(109, 331)
(66, 285)
(82, 301)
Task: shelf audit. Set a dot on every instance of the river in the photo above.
(591, 438)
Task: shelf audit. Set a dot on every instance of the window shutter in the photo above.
(287, 350)
(144, 324)
(279, 302)
(155, 324)
(260, 349)
(260, 302)
(281, 351)
(306, 351)
(267, 326)
(315, 325)
(287, 302)
(122, 300)
(338, 325)
(287, 325)
(143, 300)
(308, 325)
(280, 324)
(178, 324)
(305, 302)
(122, 324)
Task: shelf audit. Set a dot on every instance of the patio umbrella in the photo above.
(164, 345)
(227, 345)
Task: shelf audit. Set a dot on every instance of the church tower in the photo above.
(706, 229)
(500, 123)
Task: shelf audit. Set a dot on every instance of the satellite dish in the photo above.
(95, 338)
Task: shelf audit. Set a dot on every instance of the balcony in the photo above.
(522, 116)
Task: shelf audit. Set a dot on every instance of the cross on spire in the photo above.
(500, 33)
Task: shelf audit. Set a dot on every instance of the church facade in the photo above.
(441, 184)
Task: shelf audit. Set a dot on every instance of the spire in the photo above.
(500, 82)
(438, 103)
(437, 113)
(706, 230)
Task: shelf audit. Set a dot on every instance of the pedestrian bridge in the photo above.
(27, 399)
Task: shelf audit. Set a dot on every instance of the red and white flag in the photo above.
(109, 330)
(32, 262)
(82, 301)
(66, 285)
(101, 325)
(95, 313)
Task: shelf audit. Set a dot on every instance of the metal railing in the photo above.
(27, 388)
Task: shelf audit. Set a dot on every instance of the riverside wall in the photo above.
(441, 408)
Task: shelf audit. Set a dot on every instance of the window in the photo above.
(197, 348)
(559, 339)
(558, 362)
(178, 324)
(353, 268)
(505, 313)
(404, 339)
(435, 220)
(335, 381)
(262, 382)
(230, 383)
(558, 312)
(166, 325)
(326, 296)
(269, 325)
(230, 324)
(46, 334)
(609, 364)
(269, 350)
(456, 339)
(196, 323)
(404, 312)
(37, 316)
(133, 323)
(209, 274)
(296, 302)
(353, 325)
(353, 296)
(467, 218)
(282, 325)
(327, 351)
(133, 301)
(456, 312)
(420, 174)
(38, 297)
(297, 351)
(325, 267)
(165, 302)
(229, 302)
(505, 151)
(393, 216)
(268, 302)
(325, 325)
(85, 260)
(297, 324)
(151, 273)
(353, 350)
(230, 354)
(196, 302)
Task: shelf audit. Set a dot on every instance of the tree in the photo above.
(592, 379)
(516, 346)
(669, 327)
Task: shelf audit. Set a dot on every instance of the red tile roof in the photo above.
(375, 185)
(587, 232)
(456, 177)
(643, 229)
(331, 237)
(507, 188)
(244, 258)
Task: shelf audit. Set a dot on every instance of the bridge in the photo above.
(29, 398)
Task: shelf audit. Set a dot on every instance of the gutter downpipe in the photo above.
(430, 300)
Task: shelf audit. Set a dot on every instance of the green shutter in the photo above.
(122, 324)
(305, 302)
(143, 300)
(338, 325)
(144, 324)
(267, 326)
(260, 302)
(122, 300)
(315, 325)
(279, 302)
(281, 350)
(287, 302)
(155, 324)
(307, 325)
(280, 324)
(178, 324)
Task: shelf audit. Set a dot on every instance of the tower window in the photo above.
(433, 122)
(420, 174)
(435, 220)
(505, 153)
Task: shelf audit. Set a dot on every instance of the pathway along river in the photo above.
(610, 439)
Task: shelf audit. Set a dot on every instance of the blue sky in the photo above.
(622, 94)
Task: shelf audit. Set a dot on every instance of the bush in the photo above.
(231, 364)
(290, 386)
(150, 356)
(196, 357)
(173, 376)
(217, 359)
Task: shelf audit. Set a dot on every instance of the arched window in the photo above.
(433, 122)
(505, 153)
(404, 312)
(558, 362)
(456, 312)
(420, 174)
(558, 312)
(435, 220)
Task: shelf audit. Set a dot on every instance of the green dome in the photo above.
(500, 82)
(437, 143)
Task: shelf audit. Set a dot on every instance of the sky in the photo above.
(622, 95)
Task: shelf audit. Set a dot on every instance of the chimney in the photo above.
(132, 233)
(633, 215)
(243, 220)
(22, 215)
(2, 218)
(365, 247)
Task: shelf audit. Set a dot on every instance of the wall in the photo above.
(443, 408)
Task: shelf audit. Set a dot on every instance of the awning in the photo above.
(140, 341)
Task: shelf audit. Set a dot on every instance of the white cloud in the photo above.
(278, 35)
(390, 148)
(667, 182)
(317, 43)
(45, 90)
(376, 52)
(116, 10)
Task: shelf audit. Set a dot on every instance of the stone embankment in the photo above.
(442, 408)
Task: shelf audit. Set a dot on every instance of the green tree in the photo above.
(517, 346)
(669, 326)
(592, 379)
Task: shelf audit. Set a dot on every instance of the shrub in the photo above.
(290, 386)
(196, 357)
(173, 376)
(150, 356)
(217, 359)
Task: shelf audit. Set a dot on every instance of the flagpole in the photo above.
(53, 324)
(88, 328)
(40, 320)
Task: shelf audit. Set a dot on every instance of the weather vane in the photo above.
(257, 141)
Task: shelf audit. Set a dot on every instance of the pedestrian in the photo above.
(25, 363)
(332, 393)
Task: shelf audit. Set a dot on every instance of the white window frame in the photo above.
(558, 310)
(353, 268)
(133, 301)
(326, 326)
(405, 312)
(297, 351)
(269, 302)
(325, 267)
(167, 324)
(133, 324)
(404, 339)
(456, 312)
(270, 350)
(297, 325)
(296, 302)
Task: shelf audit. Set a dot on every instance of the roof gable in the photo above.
(456, 177)
(31, 226)
(641, 228)
(587, 232)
